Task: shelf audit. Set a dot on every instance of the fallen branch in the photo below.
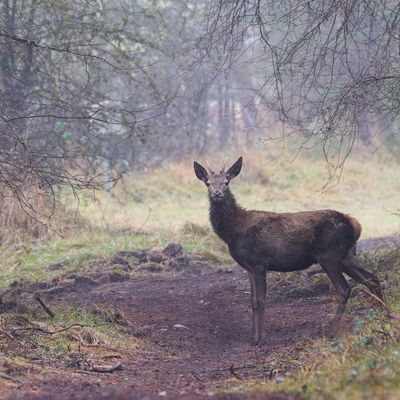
(104, 356)
(105, 369)
(44, 306)
(86, 366)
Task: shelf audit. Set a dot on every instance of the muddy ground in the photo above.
(193, 321)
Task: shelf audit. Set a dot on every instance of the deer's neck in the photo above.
(222, 217)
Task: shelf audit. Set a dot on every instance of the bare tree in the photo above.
(88, 84)
(329, 68)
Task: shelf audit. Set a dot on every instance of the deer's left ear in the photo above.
(200, 172)
(234, 170)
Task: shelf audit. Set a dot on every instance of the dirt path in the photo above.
(194, 326)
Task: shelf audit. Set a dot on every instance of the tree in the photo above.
(88, 83)
(330, 69)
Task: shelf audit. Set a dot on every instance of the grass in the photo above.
(76, 337)
(167, 199)
(170, 205)
(30, 260)
(363, 364)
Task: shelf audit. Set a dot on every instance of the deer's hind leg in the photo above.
(351, 268)
(343, 290)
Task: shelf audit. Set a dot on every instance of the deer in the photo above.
(261, 241)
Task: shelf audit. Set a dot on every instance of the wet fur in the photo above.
(263, 241)
(280, 241)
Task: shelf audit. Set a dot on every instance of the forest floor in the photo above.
(184, 330)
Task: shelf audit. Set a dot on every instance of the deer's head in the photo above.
(217, 183)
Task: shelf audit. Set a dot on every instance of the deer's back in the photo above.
(290, 241)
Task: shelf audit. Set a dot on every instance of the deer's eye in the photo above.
(207, 183)
(226, 181)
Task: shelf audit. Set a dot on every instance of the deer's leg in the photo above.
(256, 327)
(343, 291)
(258, 291)
(351, 268)
(261, 287)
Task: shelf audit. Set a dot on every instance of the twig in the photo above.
(197, 378)
(5, 333)
(145, 221)
(207, 371)
(232, 371)
(44, 306)
(46, 331)
(384, 333)
(9, 378)
(375, 297)
(380, 301)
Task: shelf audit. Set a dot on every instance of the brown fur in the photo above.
(261, 241)
(355, 224)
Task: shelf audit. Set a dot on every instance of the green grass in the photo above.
(30, 260)
(99, 327)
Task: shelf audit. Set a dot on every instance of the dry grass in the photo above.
(150, 209)
(167, 199)
(363, 364)
(44, 220)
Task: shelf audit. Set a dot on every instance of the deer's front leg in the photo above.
(261, 288)
(258, 291)
(255, 332)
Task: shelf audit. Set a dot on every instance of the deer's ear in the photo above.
(200, 172)
(234, 170)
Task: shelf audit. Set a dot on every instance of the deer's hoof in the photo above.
(260, 343)
(333, 332)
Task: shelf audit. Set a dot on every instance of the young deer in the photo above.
(267, 241)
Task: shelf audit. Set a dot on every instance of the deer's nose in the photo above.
(217, 194)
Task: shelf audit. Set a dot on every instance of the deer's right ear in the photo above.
(200, 171)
